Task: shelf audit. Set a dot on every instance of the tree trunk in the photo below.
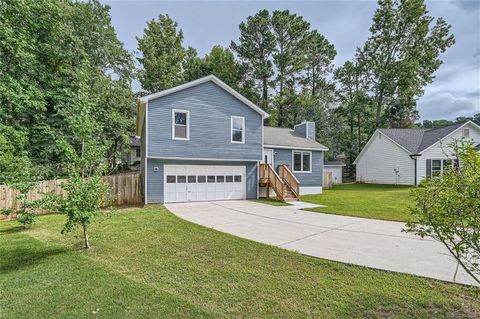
(265, 93)
(85, 236)
(378, 119)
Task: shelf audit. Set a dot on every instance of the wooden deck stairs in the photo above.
(285, 184)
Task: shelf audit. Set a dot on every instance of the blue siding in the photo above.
(306, 129)
(155, 179)
(210, 110)
(315, 178)
(301, 129)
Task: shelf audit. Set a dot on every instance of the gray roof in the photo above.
(288, 138)
(416, 140)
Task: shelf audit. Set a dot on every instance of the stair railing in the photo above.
(274, 181)
(290, 179)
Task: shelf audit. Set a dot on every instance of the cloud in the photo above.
(448, 105)
(468, 6)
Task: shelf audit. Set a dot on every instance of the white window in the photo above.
(180, 125)
(438, 166)
(237, 129)
(302, 161)
(466, 133)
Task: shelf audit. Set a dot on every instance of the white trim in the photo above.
(258, 180)
(305, 190)
(146, 130)
(187, 126)
(243, 129)
(273, 155)
(295, 147)
(145, 190)
(448, 135)
(213, 79)
(203, 159)
(301, 159)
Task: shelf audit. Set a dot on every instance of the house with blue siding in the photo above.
(204, 141)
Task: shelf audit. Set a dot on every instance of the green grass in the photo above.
(272, 201)
(388, 202)
(147, 263)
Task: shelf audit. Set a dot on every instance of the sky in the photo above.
(454, 92)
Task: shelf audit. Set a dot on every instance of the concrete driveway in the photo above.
(365, 242)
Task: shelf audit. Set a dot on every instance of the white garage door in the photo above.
(185, 183)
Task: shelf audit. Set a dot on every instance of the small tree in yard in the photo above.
(447, 208)
(85, 163)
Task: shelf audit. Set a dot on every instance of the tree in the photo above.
(319, 63)
(400, 58)
(255, 48)
(355, 109)
(162, 54)
(194, 67)
(447, 208)
(18, 172)
(43, 42)
(292, 35)
(85, 163)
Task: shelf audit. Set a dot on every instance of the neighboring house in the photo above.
(336, 168)
(204, 141)
(406, 156)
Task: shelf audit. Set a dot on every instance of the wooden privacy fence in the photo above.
(327, 180)
(125, 189)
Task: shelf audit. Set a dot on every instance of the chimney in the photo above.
(306, 129)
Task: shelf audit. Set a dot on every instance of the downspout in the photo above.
(414, 157)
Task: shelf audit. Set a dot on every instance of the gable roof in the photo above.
(287, 138)
(417, 140)
(141, 102)
(211, 78)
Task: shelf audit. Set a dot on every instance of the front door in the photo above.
(268, 157)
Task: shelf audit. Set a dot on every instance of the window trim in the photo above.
(442, 166)
(231, 129)
(173, 125)
(301, 161)
(466, 130)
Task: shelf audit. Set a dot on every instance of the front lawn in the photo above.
(388, 202)
(147, 263)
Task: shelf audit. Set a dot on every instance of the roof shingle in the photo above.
(288, 138)
(416, 140)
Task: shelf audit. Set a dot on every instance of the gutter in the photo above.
(414, 157)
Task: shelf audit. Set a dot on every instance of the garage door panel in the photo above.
(201, 182)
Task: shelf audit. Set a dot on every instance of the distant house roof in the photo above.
(287, 138)
(416, 140)
(135, 141)
(333, 163)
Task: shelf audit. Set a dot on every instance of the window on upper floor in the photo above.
(237, 129)
(466, 133)
(302, 161)
(180, 125)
